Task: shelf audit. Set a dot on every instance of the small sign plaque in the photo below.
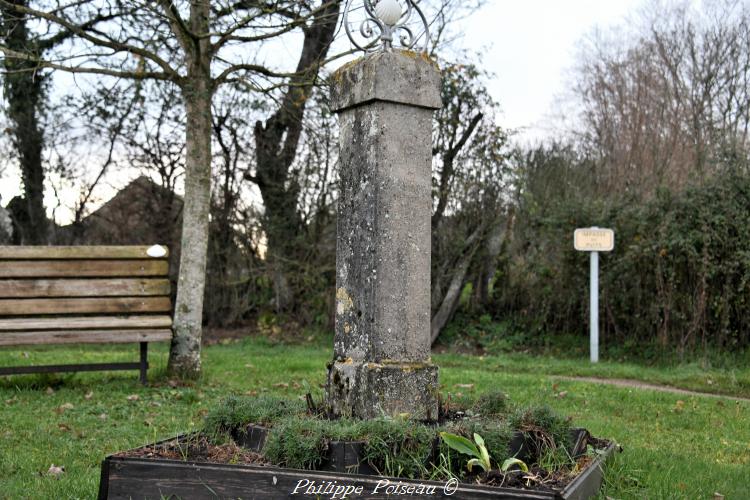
(594, 239)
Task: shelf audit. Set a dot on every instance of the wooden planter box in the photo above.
(143, 478)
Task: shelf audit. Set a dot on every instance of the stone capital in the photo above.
(398, 76)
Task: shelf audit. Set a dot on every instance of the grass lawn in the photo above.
(675, 446)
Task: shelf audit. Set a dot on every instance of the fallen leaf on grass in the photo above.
(133, 397)
(63, 407)
(251, 393)
(63, 427)
(281, 385)
(50, 391)
(11, 400)
(55, 470)
(89, 395)
(679, 406)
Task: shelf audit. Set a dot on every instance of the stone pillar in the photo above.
(382, 365)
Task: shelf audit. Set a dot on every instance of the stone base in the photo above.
(370, 390)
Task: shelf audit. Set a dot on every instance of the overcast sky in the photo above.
(529, 45)
(531, 48)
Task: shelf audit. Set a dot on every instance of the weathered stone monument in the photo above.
(385, 102)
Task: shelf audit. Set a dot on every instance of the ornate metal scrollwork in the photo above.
(382, 21)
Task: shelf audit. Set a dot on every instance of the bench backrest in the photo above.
(84, 294)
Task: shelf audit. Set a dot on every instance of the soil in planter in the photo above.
(197, 448)
(537, 477)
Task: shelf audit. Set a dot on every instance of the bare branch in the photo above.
(137, 75)
(86, 35)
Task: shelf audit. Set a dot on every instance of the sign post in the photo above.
(594, 240)
(594, 308)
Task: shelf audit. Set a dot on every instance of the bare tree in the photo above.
(276, 142)
(661, 105)
(469, 178)
(25, 87)
(192, 44)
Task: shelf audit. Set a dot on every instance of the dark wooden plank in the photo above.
(97, 287)
(131, 477)
(103, 481)
(47, 337)
(116, 305)
(91, 322)
(77, 252)
(82, 268)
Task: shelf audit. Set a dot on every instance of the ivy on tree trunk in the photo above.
(24, 86)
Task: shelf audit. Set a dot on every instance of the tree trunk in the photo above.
(281, 220)
(197, 90)
(448, 168)
(276, 143)
(492, 251)
(449, 303)
(24, 90)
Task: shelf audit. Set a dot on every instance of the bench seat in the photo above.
(84, 295)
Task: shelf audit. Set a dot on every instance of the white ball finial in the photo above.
(388, 11)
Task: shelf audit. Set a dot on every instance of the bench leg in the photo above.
(144, 362)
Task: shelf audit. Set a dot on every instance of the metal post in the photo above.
(594, 307)
(144, 362)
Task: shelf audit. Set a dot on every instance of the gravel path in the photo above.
(637, 384)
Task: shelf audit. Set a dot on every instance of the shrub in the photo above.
(677, 281)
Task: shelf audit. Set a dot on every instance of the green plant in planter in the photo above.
(491, 403)
(510, 462)
(463, 445)
(237, 411)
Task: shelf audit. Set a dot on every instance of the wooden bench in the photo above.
(84, 295)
